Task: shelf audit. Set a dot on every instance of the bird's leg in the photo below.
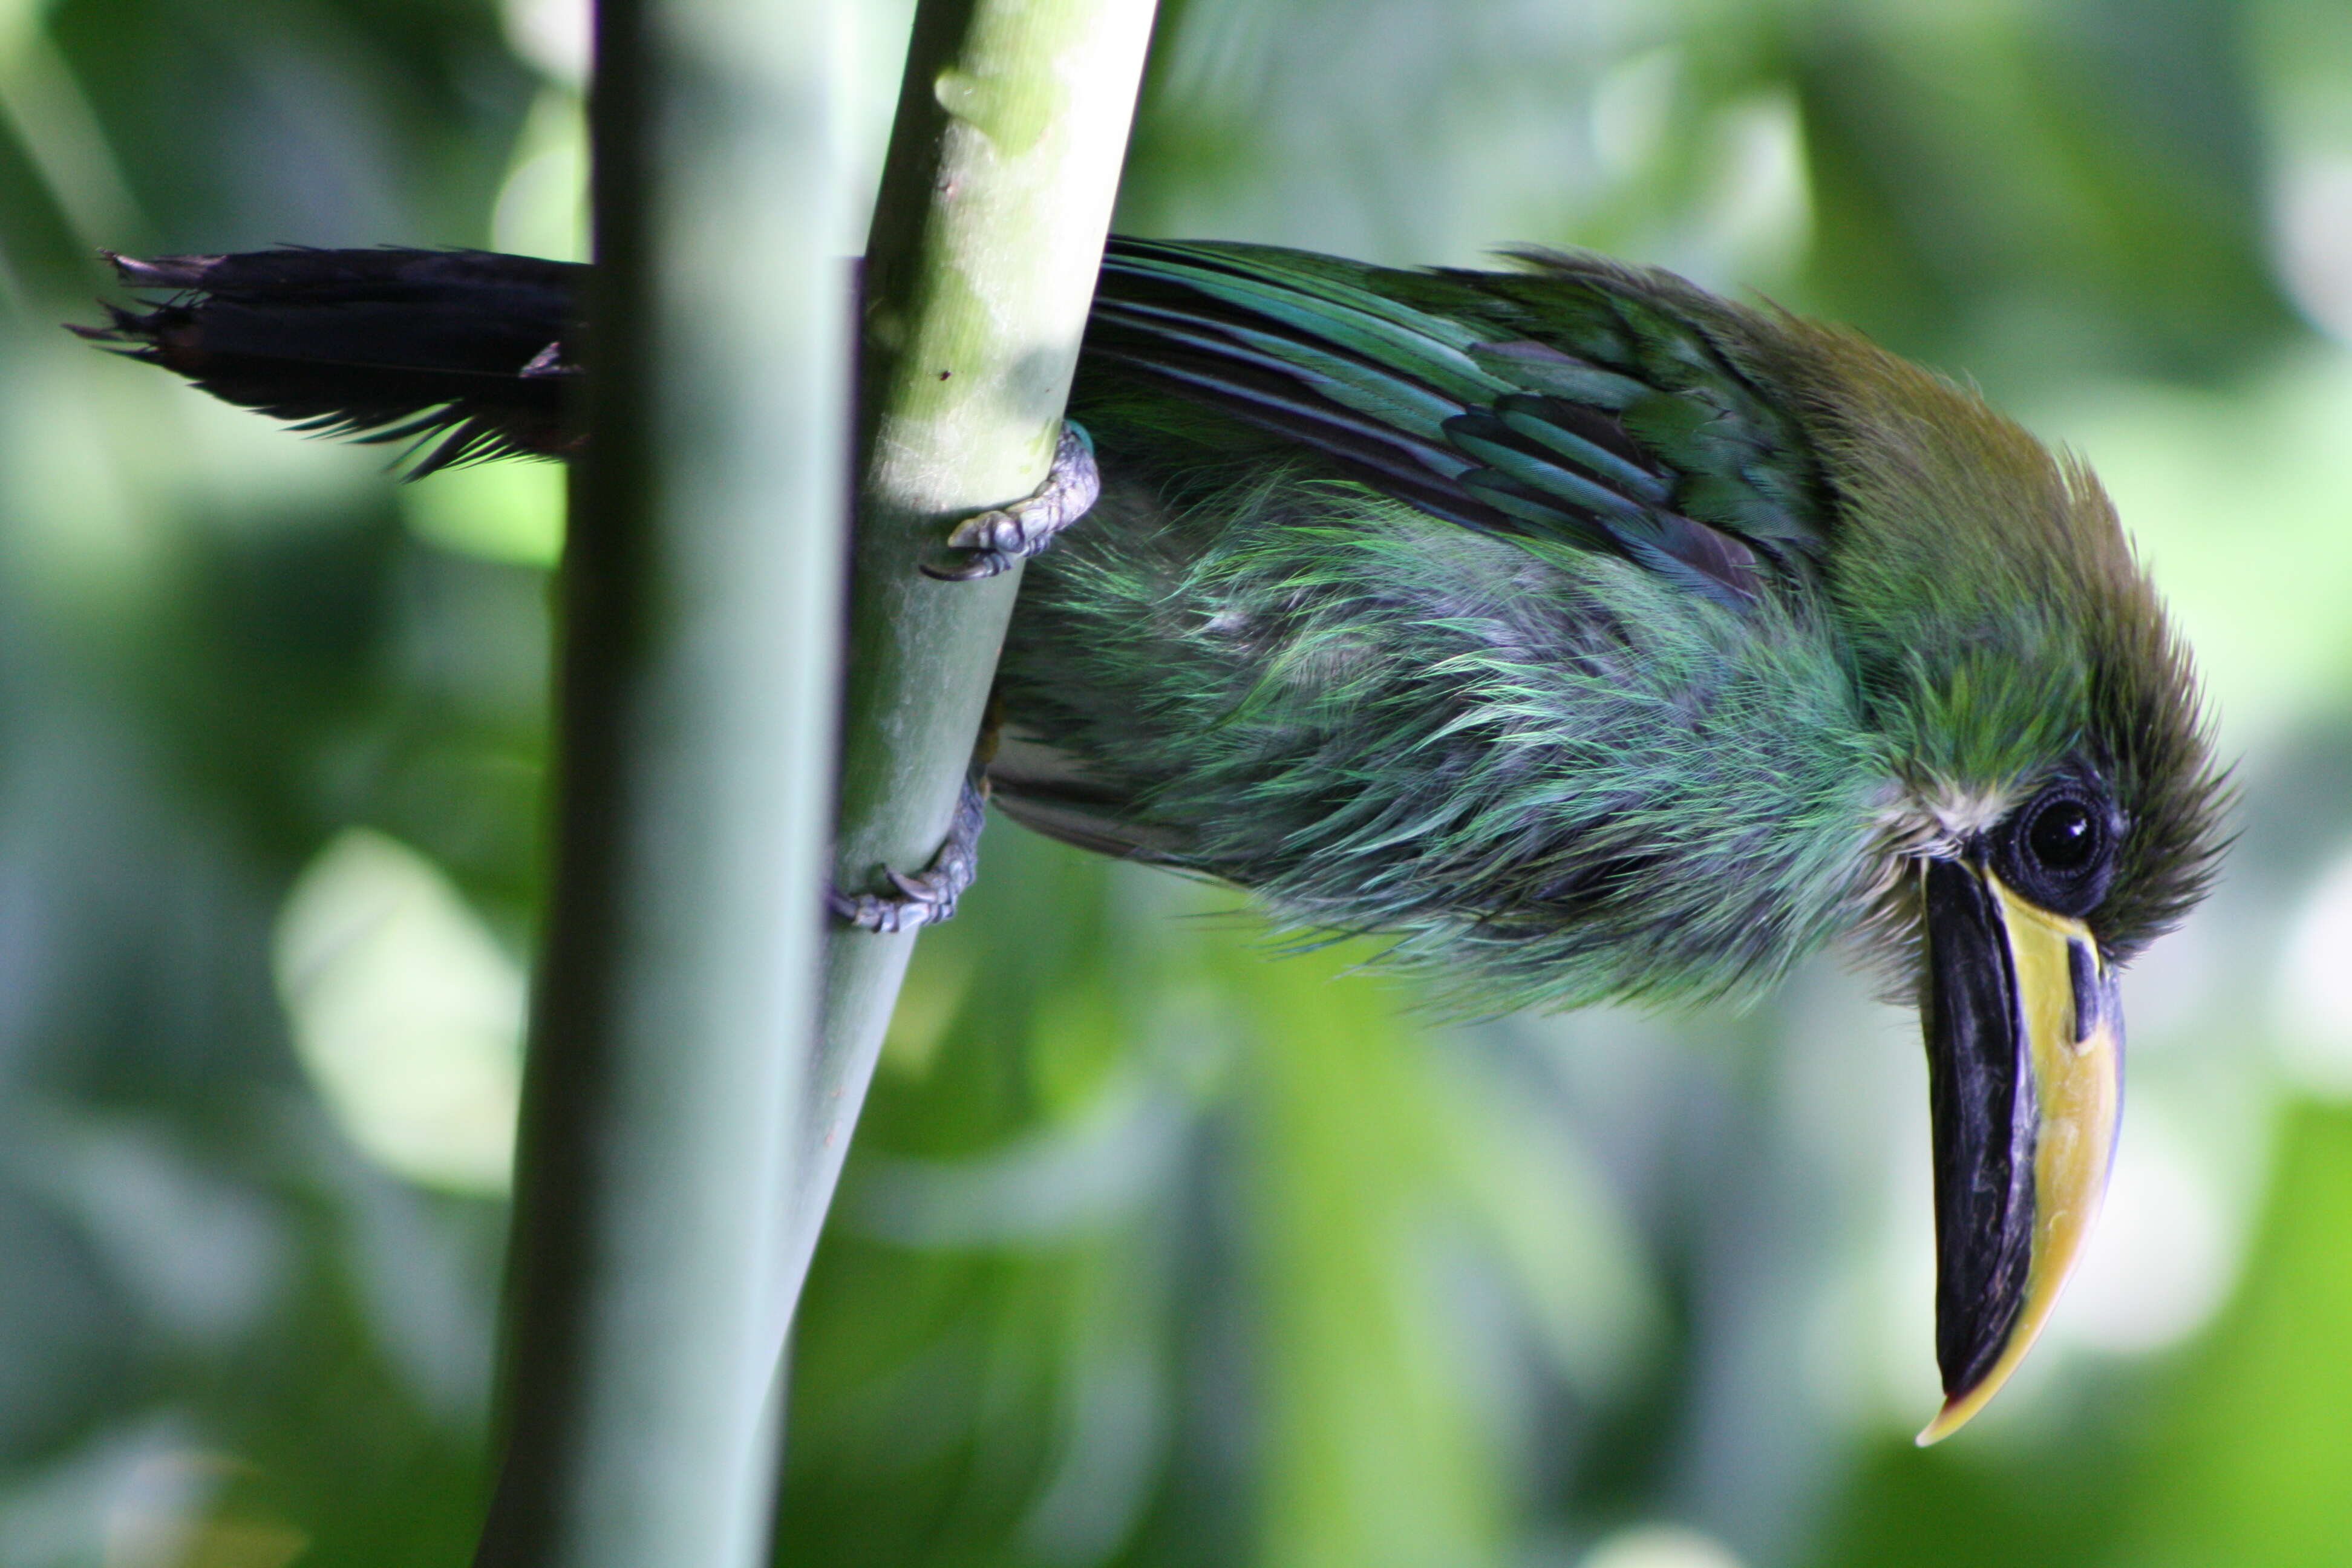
(988, 543)
(929, 895)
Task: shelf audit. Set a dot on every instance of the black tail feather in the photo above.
(467, 353)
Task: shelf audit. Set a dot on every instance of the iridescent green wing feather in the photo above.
(1582, 401)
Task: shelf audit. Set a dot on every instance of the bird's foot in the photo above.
(928, 896)
(989, 542)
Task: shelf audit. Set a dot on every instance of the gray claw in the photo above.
(928, 896)
(993, 540)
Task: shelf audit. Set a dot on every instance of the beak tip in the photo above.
(1962, 1405)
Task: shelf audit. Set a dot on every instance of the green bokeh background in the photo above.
(1158, 1247)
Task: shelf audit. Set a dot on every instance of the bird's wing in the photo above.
(465, 351)
(1581, 401)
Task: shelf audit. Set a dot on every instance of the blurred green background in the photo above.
(1157, 1248)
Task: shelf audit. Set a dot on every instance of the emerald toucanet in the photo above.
(1578, 633)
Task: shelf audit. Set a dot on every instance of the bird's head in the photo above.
(2053, 807)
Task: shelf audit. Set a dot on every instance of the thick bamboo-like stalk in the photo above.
(1012, 121)
(700, 638)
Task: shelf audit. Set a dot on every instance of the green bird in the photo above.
(1577, 633)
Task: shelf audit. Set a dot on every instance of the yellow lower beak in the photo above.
(2025, 1048)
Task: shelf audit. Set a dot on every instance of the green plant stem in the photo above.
(696, 706)
(1012, 120)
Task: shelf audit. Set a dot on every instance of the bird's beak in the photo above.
(2024, 1087)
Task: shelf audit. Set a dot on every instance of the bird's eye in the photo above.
(2061, 836)
(2060, 850)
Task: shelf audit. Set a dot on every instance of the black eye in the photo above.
(2061, 836)
(2059, 849)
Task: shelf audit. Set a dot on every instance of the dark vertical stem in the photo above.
(678, 992)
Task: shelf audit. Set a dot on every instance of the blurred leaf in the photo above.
(2247, 1464)
(405, 1011)
(2055, 184)
(500, 511)
(1372, 1456)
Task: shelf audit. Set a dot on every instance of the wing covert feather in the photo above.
(1560, 403)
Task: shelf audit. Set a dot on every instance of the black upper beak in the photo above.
(2025, 1087)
